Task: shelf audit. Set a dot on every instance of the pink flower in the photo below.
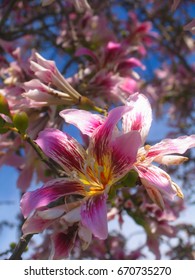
(154, 179)
(109, 156)
(57, 87)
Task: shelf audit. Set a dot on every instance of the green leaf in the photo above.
(3, 130)
(2, 122)
(20, 121)
(130, 179)
(4, 107)
(113, 189)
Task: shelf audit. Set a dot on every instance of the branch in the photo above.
(21, 247)
(6, 14)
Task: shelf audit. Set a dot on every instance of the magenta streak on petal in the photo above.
(140, 117)
(171, 146)
(63, 149)
(94, 216)
(137, 125)
(84, 120)
(52, 191)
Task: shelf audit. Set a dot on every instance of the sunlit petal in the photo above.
(140, 117)
(84, 120)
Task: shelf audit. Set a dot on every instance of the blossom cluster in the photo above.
(112, 169)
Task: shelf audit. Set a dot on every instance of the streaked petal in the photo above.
(51, 191)
(62, 243)
(84, 120)
(124, 153)
(63, 149)
(171, 146)
(140, 117)
(154, 177)
(94, 216)
(102, 136)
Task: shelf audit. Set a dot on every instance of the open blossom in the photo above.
(156, 181)
(109, 157)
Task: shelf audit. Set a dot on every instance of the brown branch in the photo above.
(20, 247)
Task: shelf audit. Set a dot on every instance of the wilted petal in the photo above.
(94, 216)
(170, 159)
(63, 149)
(124, 153)
(154, 177)
(156, 197)
(42, 219)
(171, 146)
(140, 117)
(73, 216)
(85, 237)
(84, 120)
(51, 191)
(36, 223)
(62, 243)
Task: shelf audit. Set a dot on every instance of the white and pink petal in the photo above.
(172, 146)
(139, 118)
(85, 121)
(36, 223)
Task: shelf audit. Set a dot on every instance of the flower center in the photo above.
(95, 177)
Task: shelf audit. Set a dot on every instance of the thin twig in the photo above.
(20, 247)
